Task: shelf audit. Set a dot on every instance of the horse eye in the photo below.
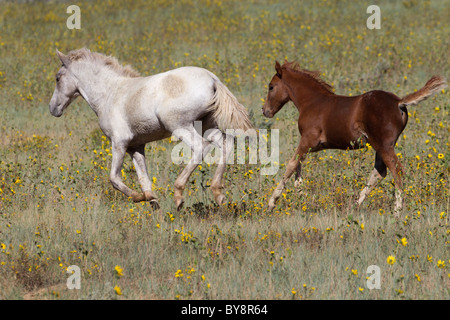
(57, 79)
(270, 88)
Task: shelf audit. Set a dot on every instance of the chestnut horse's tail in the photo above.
(433, 85)
(227, 111)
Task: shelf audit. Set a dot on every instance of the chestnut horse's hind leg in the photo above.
(390, 159)
(298, 177)
(138, 156)
(378, 173)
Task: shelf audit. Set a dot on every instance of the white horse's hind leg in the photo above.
(216, 184)
(181, 181)
(199, 145)
(138, 156)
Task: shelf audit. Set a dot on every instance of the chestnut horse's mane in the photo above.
(315, 75)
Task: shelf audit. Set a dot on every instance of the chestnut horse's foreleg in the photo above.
(378, 173)
(138, 156)
(292, 166)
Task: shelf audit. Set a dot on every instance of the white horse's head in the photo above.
(66, 89)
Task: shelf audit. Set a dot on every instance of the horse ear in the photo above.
(64, 59)
(278, 69)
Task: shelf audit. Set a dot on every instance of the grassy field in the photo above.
(58, 208)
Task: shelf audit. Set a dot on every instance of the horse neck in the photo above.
(97, 87)
(304, 91)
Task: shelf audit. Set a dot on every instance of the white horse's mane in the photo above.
(98, 58)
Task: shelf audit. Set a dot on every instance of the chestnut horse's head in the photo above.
(278, 94)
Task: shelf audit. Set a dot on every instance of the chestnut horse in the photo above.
(330, 121)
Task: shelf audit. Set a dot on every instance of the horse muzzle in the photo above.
(267, 113)
(56, 111)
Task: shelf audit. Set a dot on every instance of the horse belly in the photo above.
(346, 139)
(146, 130)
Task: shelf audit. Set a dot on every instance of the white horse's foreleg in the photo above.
(138, 156)
(118, 153)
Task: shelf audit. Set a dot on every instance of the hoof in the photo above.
(397, 211)
(138, 197)
(179, 203)
(146, 196)
(155, 205)
(150, 196)
(271, 204)
(220, 199)
(398, 208)
(179, 199)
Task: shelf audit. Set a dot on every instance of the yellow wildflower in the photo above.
(441, 264)
(404, 242)
(118, 290)
(390, 260)
(119, 271)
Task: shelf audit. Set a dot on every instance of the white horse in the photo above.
(133, 110)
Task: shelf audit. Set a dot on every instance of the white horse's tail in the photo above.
(227, 111)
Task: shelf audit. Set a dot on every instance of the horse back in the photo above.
(343, 122)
